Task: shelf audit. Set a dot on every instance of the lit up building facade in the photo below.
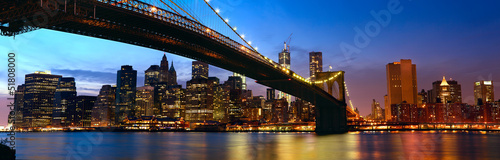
(315, 64)
(446, 92)
(199, 99)
(125, 92)
(80, 111)
(39, 95)
(284, 61)
(243, 80)
(377, 111)
(175, 103)
(233, 85)
(152, 75)
(144, 101)
(65, 93)
(484, 92)
(199, 70)
(271, 94)
(103, 112)
(401, 84)
(19, 106)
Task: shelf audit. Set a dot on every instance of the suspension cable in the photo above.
(230, 27)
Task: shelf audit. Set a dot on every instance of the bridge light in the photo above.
(234, 28)
(207, 1)
(256, 48)
(249, 42)
(153, 9)
(227, 20)
(217, 10)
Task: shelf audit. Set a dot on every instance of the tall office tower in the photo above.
(377, 111)
(152, 75)
(172, 75)
(243, 80)
(387, 109)
(18, 106)
(221, 103)
(401, 83)
(80, 111)
(65, 92)
(447, 91)
(126, 83)
(103, 113)
(233, 85)
(40, 88)
(234, 82)
(483, 90)
(175, 102)
(423, 97)
(284, 61)
(164, 69)
(199, 99)
(315, 64)
(144, 101)
(199, 70)
(271, 94)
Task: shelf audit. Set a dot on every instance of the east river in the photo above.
(235, 146)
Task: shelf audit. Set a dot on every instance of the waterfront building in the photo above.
(80, 111)
(199, 99)
(446, 92)
(39, 95)
(483, 92)
(103, 112)
(125, 92)
(401, 84)
(144, 101)
(65, 92)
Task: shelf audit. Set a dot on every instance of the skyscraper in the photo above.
(125, 92)
(377, 111)
(152, 75)
(199, 70)
(243, 80)
(284, 61)
(164, 69)
(40, 88)
(401, 83)
(271, 94)
(483, 90)
(18, 106)
(200, 98)
(447, 91)
(144, 101)
(80, 111)
(315, 64)
(172, 75)
(65, 92)
(103, 113)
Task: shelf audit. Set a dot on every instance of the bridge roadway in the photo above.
(141, 24)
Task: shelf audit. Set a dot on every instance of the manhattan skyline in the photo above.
(458, 40)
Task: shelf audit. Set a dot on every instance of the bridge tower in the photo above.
(331, 118)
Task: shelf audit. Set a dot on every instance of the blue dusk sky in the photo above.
(456, 39)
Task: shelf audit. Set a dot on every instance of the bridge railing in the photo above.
(170, 17)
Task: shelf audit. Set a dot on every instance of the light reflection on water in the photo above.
(239, 146)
